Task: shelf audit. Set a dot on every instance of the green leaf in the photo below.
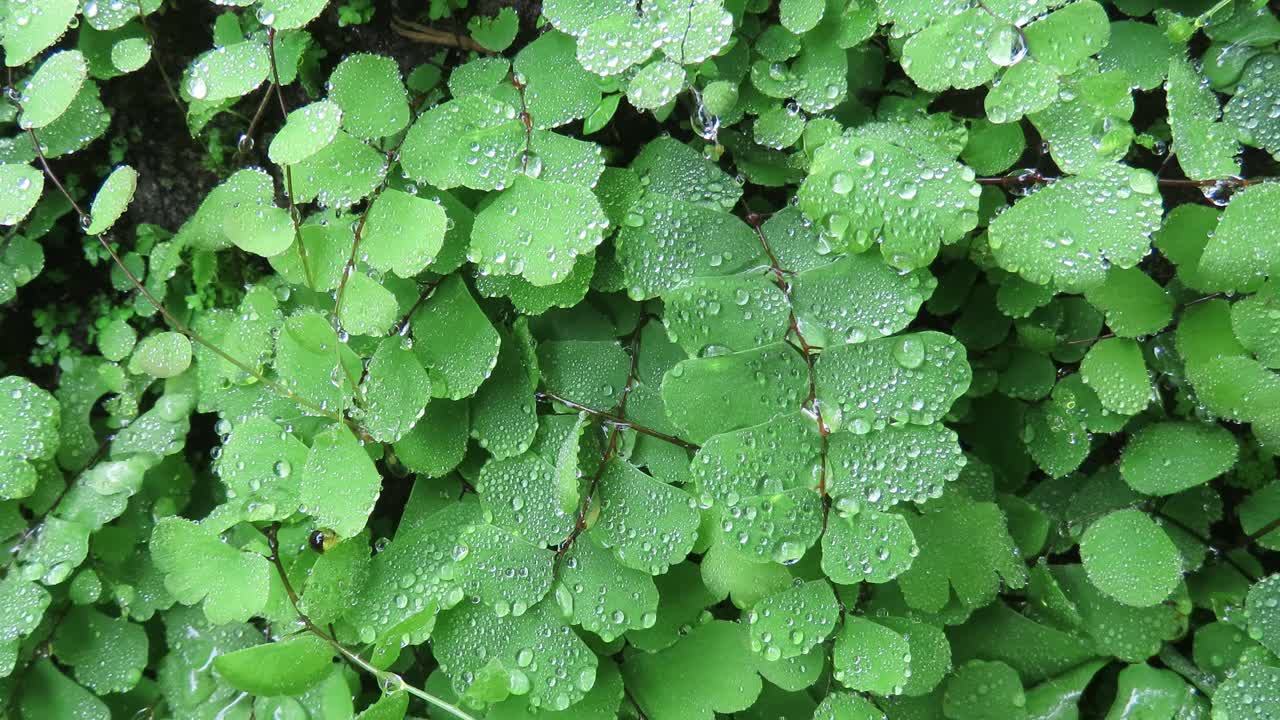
(290, 14)
(1205, 147)
(27, 31)
(1262, 608)
(1133, 303)
(307, 130)
(964, 546)
(895, 464)
(108, 654)
(910, 378)
(534, 654)
(112, 199)
(341, 174)
(1169, 457)
(957, 53)
(868, 546)
(1128, 557)
(648, 524)
(163, 355)
(1139, 49)
(982, 690)
(870, 657)
(1250, 110)
(1115, 370)
(1256, 323)
(693, 31)
(537, 229)
(266, 230)
(846, 706)
(855, 298)
(31, 435)
(226, 72)
(655, 85)
(603, 596)
(711, 395)
(454, 340)
(438, 441)
(792, 622)
(46, 692)
(495, 33)
(371, 95)
(708, 671)
(339, 483)
(396, 391)
(197, 565)
(403, 233)
(23, 185)
(22, 608)
(285, 667)
(1242, 250)
(52, 88)
(1253, 690)
(931, 200)
(615, 43)
(665, 241)
(557, 89)
(1083, 225)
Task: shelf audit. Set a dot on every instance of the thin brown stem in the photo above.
(807, 351)
(295, 215)
(615, 421)
(426, 34)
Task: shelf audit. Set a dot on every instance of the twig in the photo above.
(386, 679)
(810, 406)
(426, 34)
(295, 215)
(615, 421)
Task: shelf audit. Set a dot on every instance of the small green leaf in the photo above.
(396, 390)
(227, 72)
(454, 340)
(711, 395)
(1245, 247)
(52, 88)
(1083, 224)
(537, 229)
(371, 95)
(868, 546)
(290, 14)
(870, 657)
(1205, 147)
(198, 565)
(792, 622)
(284, 667)
(982, 690)
(1169, 457)
(495, 33)
(28, 30)
(1262, 608)
(648, 524)
(112, 199)
(1115, 370)
(162, 355)
(23, 185)
(339, 483)
(1128, 557)
(706, 672)
(910, 378)
(307, 130)
(655, 85)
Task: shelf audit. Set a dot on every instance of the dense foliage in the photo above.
(583, 359)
